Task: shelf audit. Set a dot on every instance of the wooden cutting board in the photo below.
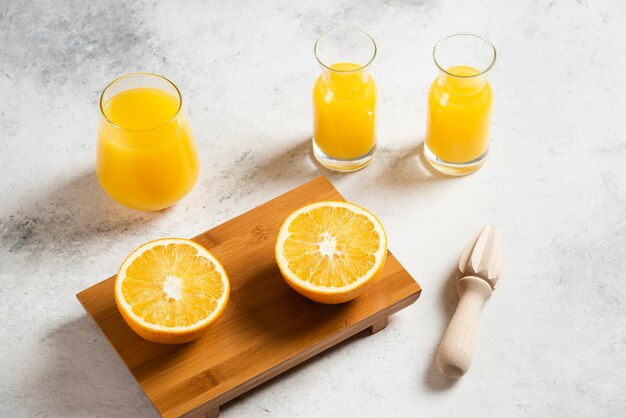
(266, 329)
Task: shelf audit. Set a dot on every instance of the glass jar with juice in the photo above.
(344, 100)
(146, 157)
(459, 105)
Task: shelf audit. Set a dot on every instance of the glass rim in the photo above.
(345, 28)
(474, 35)
(125, 76)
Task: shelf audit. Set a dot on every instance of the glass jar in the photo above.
(459, 104)
(344, 100)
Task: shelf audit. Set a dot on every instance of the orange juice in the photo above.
(146, 157)
(344, 110)
(459, 114)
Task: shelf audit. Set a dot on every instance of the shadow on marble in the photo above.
(448, 300)
(78, 374)
(409, 169)
(73, 213)
(295, 161)
(405, 168)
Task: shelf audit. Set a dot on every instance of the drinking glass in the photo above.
(146, 157)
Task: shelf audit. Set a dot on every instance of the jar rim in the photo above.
(466, 34)
(347, 29)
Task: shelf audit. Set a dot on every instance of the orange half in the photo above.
(331, 252)
(170, 290)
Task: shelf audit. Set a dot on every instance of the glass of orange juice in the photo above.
(146, 157)
(459, 104)
(344, 100)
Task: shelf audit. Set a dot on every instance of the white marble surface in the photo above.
(552, 340)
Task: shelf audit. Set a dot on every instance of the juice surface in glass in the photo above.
(344, 106)
(459, 115)
(146, 158)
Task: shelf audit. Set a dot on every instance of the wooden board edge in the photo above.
(391, 254)
(308, 354)
(81, 298)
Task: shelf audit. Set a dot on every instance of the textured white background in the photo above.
(552, 340)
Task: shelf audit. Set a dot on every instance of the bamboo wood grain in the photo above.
(266, 329)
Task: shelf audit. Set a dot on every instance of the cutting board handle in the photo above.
(457, 345)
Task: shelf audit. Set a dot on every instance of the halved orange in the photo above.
(331, 252)
(170, 290)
